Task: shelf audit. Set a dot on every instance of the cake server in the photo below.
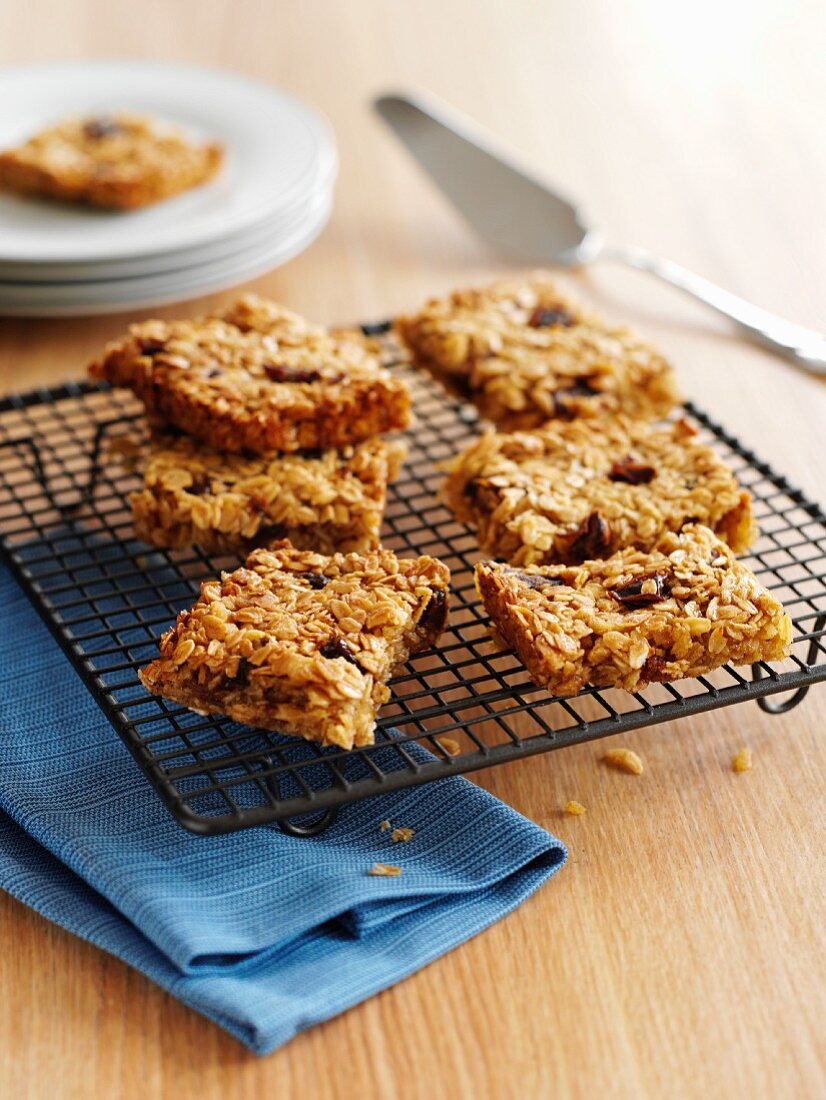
(523, 216)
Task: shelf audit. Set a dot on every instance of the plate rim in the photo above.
(269, 260)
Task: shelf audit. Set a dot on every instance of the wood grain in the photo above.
(681, 951)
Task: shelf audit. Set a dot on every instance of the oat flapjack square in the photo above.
(585, 488)
(524, 353)
(257, 378)
(326, 501)
(682, 609)
(302, 643)
(123, 162)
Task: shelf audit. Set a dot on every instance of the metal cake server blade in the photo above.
(523, 216)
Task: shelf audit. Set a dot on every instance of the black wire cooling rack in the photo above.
(66, 533)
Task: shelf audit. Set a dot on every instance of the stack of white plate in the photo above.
(269, 202)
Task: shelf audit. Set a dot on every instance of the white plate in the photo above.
(117, 296)
(61, 275)
(96, 291)
(275, 147)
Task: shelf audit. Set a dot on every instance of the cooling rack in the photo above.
(66, 534)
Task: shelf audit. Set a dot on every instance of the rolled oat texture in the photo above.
(301, 643)
(524, 353)
(682, 609)
(123, 162)
(257, 378)
(327, 501)
(587, 488)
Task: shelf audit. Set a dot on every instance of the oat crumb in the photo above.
(402, 835)
(575, 808)
(742, 761)
(450, 746)
(625, 760)
(385, 870)
(384, 825)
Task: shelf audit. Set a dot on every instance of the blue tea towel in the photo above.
(263, 933)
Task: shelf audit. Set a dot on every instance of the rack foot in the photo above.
(782, 706)
(292, 827)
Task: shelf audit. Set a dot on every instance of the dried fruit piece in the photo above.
(592, 539)
(533, 580)
(242, 675)
(316, 581)
(545, 317)
(474, 486)
(97, 128)
(561, 398)
(199, 486)
(575, 808)
(385, 870)
(624, 759)
(654, 669)
(434, 616)
(149, 345)
(742, 761)
(379, 328)
(279, 372)
(267, 534)
(642, 591)
(337, 647)
(402, 835)
(630, 470)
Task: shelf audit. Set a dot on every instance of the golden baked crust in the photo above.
(586, 488)
(524, 353)
(124, 162)
(301, 643)
(257, 378)
(683, 609)
(323, 500)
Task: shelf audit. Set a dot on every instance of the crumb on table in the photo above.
(625, 760)
(574, 808)
(402, 835)
(742, 761)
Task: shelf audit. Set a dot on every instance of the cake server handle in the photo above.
(802, 346)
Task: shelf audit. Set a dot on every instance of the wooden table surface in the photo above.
(680, 953)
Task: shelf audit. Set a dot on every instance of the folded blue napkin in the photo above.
(263, 933)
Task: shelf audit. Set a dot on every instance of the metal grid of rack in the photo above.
(66, 533)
